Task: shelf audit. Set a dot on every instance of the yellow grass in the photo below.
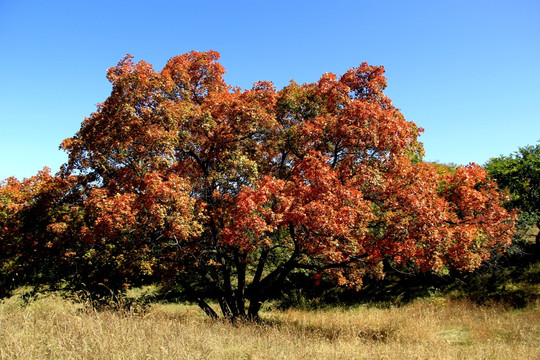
(51, 328)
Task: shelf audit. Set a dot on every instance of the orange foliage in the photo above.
(187, 177)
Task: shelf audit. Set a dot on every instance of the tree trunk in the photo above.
(253, 289)
(207, 309)
(240, 291)
(253, 311)
(537, 245)
(191, 294)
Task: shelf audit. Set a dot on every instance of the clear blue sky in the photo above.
(467, 71)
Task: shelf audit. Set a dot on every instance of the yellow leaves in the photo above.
(57, 228)
(146, 267)
(69, 254)
(341, 280)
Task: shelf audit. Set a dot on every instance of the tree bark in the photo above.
(254, 288)
(537, 245)
(192, 295)
(239, 294)
(228, 290)
(207, 309)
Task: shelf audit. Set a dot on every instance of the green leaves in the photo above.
(519, 174)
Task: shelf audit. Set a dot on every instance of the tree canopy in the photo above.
(181, 178)
(519, 173)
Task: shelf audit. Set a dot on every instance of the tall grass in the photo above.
(53, 328)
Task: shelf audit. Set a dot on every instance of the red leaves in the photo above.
(195, 75)
(453, 227)
(329, 172)
(478, 220)
(366, 82)
(159, 205)
(329, 217)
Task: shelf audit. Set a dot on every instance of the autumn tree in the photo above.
(183, 178)
(33, 212)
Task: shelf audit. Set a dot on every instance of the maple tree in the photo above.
(182, 178)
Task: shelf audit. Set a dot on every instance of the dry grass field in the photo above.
(438, 328)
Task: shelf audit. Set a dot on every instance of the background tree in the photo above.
(181, 178)
(33, 213)
(519, 173)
